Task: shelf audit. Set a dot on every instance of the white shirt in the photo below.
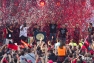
(24, 31)
(28, 57)
(22, 59)
(57, 45)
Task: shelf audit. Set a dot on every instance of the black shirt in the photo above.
(63, 32)
(9, 35)
(36, 30)
(52, 57)
(52, 28)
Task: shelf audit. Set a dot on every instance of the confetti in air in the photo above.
(41, 11)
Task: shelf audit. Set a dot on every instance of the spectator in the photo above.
(30, 56)
(9, 36)
(4, 35)
(61, 52)
(76, 35)
(23, 32)
(57, 44)
(63, 32)
(22, 58)
(52, 56)
(53, 29)
(90, 32)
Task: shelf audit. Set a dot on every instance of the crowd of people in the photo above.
(18, 44)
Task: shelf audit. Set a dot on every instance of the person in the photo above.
(4, 59)
(63, 32)
(90, 32)
(16, 33)
(9, 36)
(36, 28)
(39, 60)
(22, 58)
(90, 29)
(52, 56)
(68, 59)
(46, 29)
(23, 32)
(76, 34)
(53, 29)
(57, 44)
(30, 56)
(1, 34)
(61, 52)
(4, 35)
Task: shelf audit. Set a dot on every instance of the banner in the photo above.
(39, 35)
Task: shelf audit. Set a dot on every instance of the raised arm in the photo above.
(5, 55)
(58, 33)
(10, 59)
(2, 48)
(46, 54)
(10, 30)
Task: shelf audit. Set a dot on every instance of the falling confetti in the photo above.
(61, 11)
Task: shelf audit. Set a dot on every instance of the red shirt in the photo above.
(74, 61)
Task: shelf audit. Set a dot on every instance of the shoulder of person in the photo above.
(22, 58)
(31, 53)
(64, 46)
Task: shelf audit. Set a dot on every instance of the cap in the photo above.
(50, 61)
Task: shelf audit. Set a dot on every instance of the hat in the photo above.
(74, 44)
(50, 61)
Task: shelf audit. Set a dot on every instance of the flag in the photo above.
(86, 45)
(39, 35)
(83, 48)
(22, 46)
(13, 46)
(91, 51)
(25, 44)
